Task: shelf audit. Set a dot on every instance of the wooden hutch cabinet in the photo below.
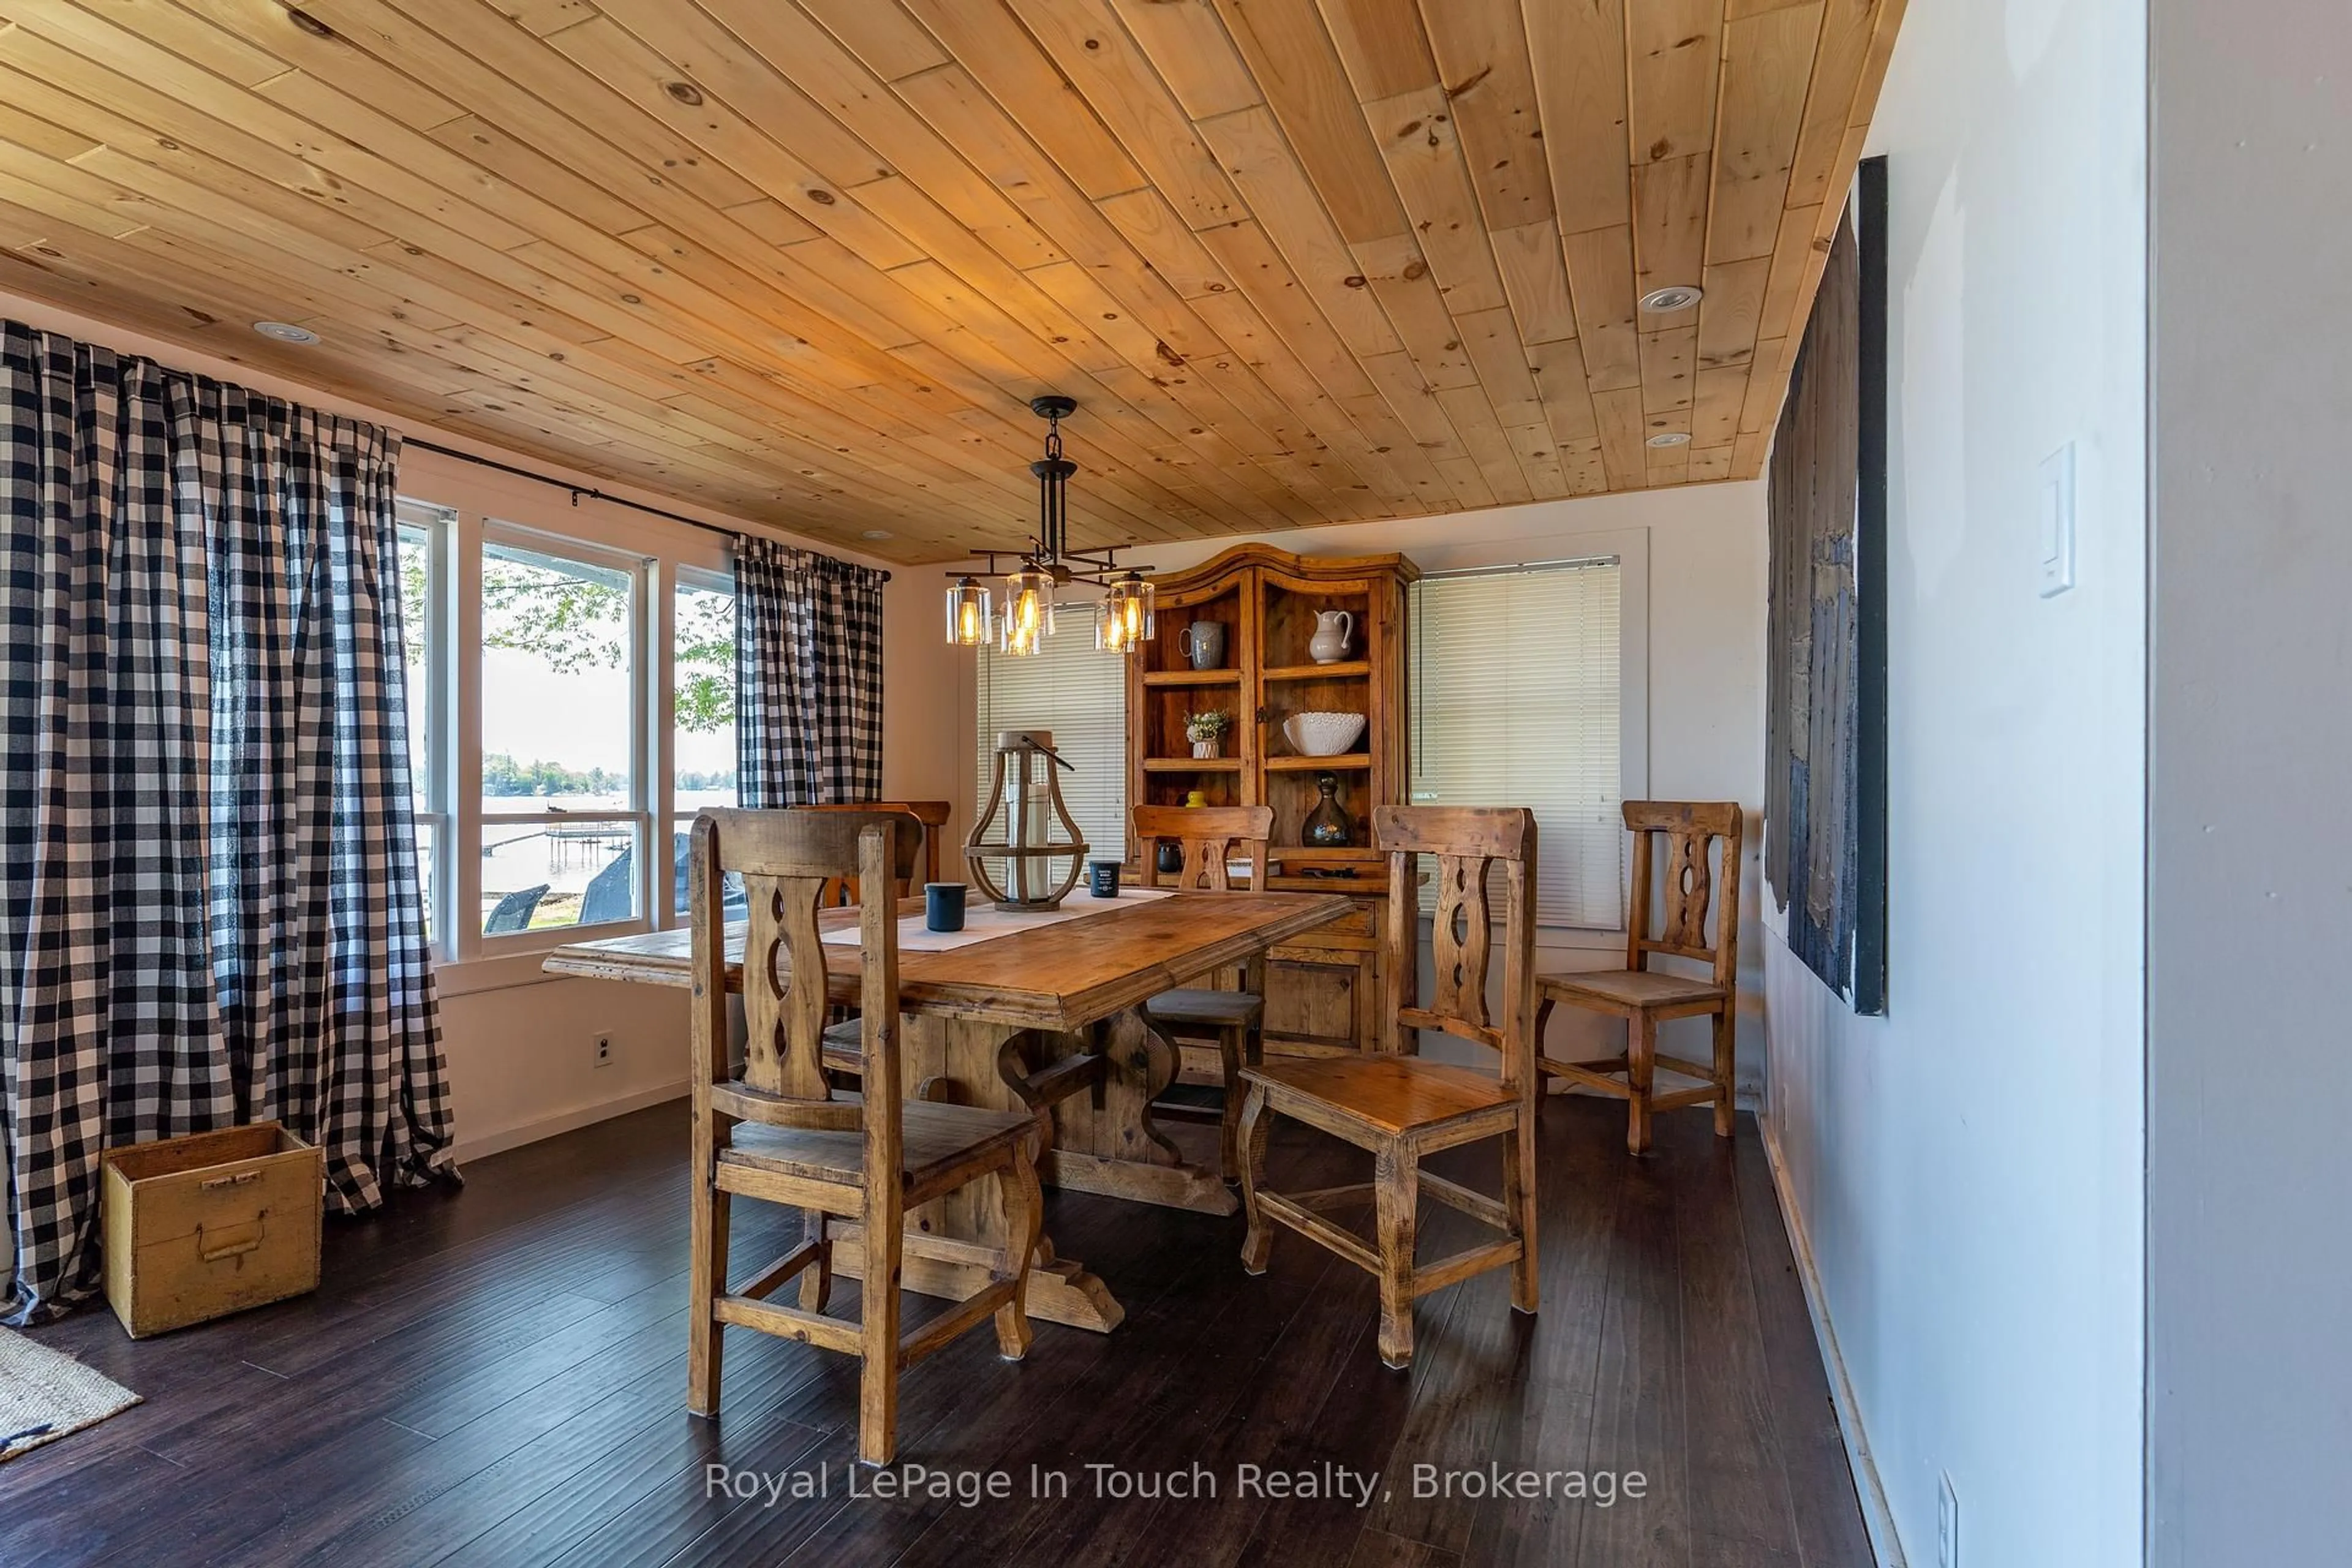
(1323, 989)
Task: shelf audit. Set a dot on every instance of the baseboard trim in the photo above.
(1877, 1517)
(515, 1137)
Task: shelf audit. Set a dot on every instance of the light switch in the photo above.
(2056, 504)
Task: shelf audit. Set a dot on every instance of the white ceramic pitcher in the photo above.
(1333, 629)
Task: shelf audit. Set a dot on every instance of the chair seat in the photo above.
(1629, 988)
(936, 1136)
(1388, 1094)
(1198, 1004)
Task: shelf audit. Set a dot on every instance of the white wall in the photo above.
(1700, 551)
(1967, 1169)
(2250, 891)
(519, 1043)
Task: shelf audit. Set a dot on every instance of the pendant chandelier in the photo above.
(1122, 618)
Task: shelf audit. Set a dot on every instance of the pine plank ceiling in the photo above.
(1299, 261)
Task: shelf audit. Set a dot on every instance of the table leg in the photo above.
(1111, 1145)
(1100, 1139)
(950, 1240)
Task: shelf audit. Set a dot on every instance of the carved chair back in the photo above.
(1673, 841)
(930, 820)
(1210, 836)
(1467, 842)
(786, 859)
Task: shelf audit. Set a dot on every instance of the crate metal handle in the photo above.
(236, 1181)
(209, 1253)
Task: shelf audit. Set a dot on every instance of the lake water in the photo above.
(558, 859)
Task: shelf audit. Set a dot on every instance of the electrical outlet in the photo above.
(1948, 1522)
(603, 1050)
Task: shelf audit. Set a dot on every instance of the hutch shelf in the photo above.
(1323, 989)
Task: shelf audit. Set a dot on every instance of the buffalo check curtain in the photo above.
(209, 904)
(808, 689)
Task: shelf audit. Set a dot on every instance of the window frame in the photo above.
(1631, 546)
(485, 506)
(1415, 657)
(497, 531)
(435, 711)
(680, 578)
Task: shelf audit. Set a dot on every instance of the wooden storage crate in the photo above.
(200, 1226)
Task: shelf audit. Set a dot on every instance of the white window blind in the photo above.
(1515, 702)
(1079, 692)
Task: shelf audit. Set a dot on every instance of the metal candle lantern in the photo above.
(1025, 800)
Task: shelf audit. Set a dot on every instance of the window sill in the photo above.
(513, 968)
(504, 972)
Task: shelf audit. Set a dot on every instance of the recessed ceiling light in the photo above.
(1671, 298)
(875, 533)
(286, 332)
(1671, 438)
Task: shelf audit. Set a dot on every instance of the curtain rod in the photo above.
(576, 490)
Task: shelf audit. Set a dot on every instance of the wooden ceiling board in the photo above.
(1729, 318)
(1535, 279)
(1417, 139)
(1600, 275)
(1298, 68)
(1482, 50)
(1089, 46)
(1577, 50)
(1383, 45)
(1300, 261)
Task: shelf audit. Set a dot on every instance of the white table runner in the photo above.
(984, 921)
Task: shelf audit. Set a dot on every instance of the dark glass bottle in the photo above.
(1327, 826)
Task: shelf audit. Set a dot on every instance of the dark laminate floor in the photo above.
(497, 1376)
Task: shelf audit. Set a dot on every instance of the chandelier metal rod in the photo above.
(1050, 549)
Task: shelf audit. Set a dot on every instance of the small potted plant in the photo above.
(1207, 730)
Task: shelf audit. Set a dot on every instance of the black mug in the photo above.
(1102, 879)
(943, 906)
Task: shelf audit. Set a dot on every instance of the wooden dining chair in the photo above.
(932, 816)
(1209, 838)
(779, 1133)
(1403, 1107)
(1645, 998)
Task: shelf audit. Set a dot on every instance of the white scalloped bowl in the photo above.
(1322, 734)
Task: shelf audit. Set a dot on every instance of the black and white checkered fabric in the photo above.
(212, 912)
(808, 697)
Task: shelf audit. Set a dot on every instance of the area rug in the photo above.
(44, 1395)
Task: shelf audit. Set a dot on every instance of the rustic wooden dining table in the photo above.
(1046, 1017)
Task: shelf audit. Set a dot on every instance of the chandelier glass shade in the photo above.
(1028, 610)
(1123, 620)
(972, 617)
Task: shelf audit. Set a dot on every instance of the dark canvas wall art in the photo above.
(1825, 729)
